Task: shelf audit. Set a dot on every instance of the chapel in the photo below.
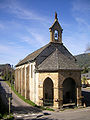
(50, 76)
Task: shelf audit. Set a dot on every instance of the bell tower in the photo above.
(56, 31)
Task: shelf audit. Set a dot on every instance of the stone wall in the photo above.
(25, 84)
(32, 87)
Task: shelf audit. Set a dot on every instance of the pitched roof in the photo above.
(54, 24)
(57, 61)
(53, 56)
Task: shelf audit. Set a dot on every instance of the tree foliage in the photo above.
(83, 60)
(8, 75)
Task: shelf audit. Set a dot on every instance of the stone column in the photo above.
(17, 80)
(21, 83)
(20, 80)
(15, 85)
(78, 96)
(40, 88)
(27, 83)
(61, 97)
(24, 81)
(56, 99)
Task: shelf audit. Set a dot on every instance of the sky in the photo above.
(24, 26)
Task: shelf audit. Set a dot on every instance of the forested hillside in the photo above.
(83, 60)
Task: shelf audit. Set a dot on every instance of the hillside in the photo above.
(83, 60)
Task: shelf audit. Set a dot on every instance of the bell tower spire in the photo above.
(56, 31)
(56, 16)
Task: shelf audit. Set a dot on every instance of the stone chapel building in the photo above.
(50, 76)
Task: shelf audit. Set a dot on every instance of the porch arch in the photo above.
(69, 91)
(48, 93)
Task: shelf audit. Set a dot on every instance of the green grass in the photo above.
(26, 100)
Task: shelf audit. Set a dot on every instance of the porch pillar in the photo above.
(17, 80)
(56, 99)
(40, 95)
(27, 83)
(61, 97)
(24, 81)
(15, 85)
(79, 96)
(21, 82)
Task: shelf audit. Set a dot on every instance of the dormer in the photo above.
(56, 31)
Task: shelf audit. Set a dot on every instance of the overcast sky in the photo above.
(24, 26)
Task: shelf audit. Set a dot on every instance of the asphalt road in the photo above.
(23, 111)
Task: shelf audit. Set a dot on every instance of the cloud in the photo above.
(3, 48)
(34, 39)
(76, 41)
(81, 10)
(22, 13)
(39, 38)
(2, 26)
(83, 6)
(12, 53)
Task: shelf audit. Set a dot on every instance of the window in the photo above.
(31, 71)
(56, 35)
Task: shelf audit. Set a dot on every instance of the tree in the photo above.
(85, 70)
(8, 74)
(84, 80)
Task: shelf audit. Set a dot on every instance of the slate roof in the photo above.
(57, 61)
(53, 56)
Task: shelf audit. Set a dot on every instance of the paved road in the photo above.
(23, 111)
(18, 105)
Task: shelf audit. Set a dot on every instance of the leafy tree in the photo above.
(8, 75)
(84, 80)
(85, 70)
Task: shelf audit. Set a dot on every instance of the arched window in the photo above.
(56, 35)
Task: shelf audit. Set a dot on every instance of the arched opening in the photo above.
(48, 92)
(56, 34)
(69, 91)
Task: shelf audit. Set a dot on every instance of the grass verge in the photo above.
(26, 100)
